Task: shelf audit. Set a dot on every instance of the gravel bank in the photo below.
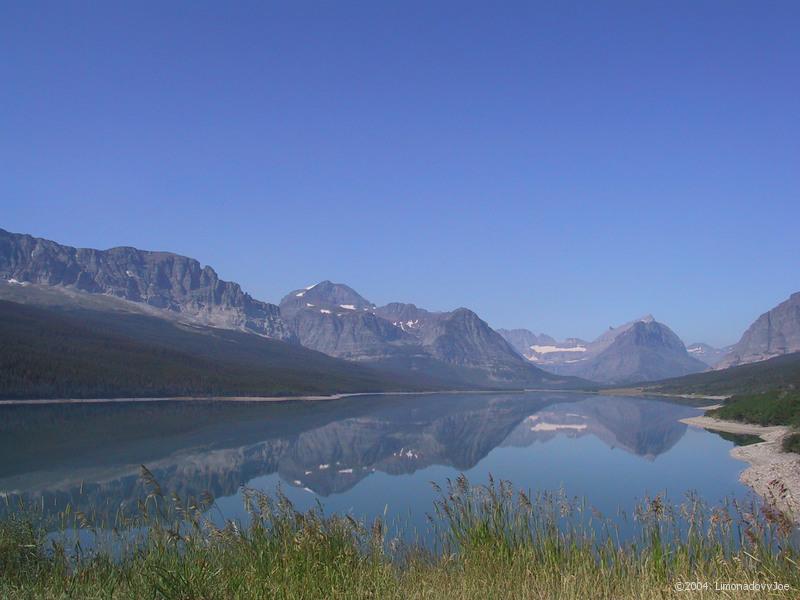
(773, 474)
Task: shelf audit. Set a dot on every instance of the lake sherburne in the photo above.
(365, 456)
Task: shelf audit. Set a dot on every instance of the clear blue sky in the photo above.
(559, 166)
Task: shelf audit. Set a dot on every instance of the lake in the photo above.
(367, 455)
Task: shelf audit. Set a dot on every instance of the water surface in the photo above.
(366, 456)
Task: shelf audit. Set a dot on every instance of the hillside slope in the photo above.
(779, 373)
(52, 353)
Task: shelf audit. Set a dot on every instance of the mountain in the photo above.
(142, 305)
(103, 349)
(522, 339)
(335, 297)
(774, 333)
(458, 346)
(334, 319)
(707, 354)
(645, 351)
(543, 348)
(557, 356)
(160, 280)
(640, 350)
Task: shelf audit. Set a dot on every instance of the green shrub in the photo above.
(770, 408)
(791, 443)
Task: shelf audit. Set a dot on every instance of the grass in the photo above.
(778, 407)
(490, 542)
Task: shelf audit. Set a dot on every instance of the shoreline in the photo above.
(772, 474)
(305, 398)
(323, 397)
(647, 392)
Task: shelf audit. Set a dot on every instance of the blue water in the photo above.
(365, 456)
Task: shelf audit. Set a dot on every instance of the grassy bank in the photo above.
(779, 373)
(491, 542)
(777, 407)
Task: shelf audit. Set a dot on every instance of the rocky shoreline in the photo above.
(773, 474)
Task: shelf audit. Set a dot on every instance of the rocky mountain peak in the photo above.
(651, 334)
(325, 296)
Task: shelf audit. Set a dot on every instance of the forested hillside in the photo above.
(86, 354)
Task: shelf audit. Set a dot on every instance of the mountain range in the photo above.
(126, 321)
(641, 350)
(335, 319)
(645, 350)
(79, 301)
(708, 354)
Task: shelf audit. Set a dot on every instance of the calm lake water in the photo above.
(366, 455)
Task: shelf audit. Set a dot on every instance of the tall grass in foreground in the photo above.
(491, 542)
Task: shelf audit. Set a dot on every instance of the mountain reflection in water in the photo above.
(89, 455)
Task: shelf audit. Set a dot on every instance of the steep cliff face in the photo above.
(774, 333)
(162, 280)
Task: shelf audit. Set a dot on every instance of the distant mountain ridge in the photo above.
(522, 340)
(640, 350)
(707, 353)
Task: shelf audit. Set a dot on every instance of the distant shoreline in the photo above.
(306, 398)
(646, 392)
(323, 397)
(773, 474)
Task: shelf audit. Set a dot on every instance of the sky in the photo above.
(558, 166)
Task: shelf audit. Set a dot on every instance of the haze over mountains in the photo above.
(641, 350)
(707, 353)
(135, 300)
